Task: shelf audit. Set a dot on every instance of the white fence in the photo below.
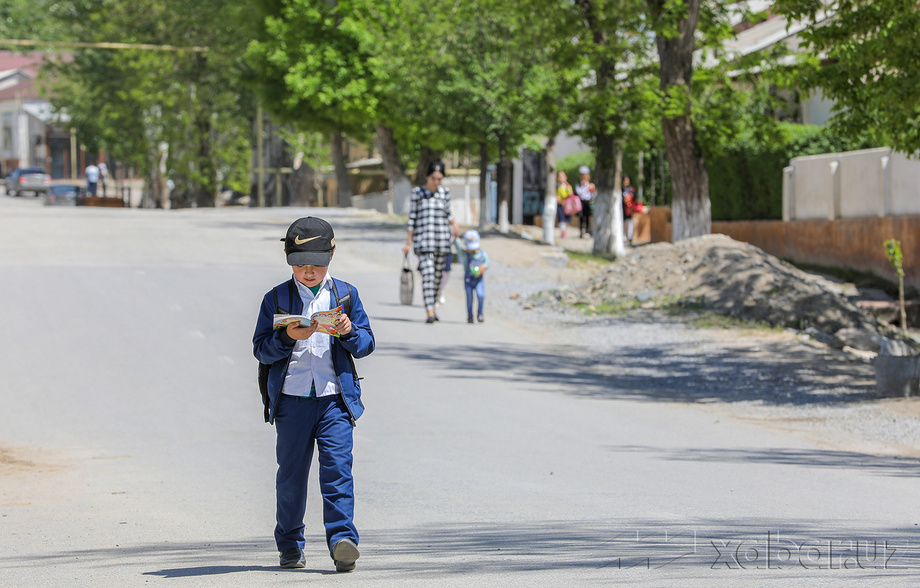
(867, 183)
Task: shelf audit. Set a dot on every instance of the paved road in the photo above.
(132, 450)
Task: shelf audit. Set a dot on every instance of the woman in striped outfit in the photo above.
(432, 226)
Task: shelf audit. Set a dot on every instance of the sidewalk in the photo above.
(572, 242)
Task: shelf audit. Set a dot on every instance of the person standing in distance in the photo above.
(92, 179)
(431, 228)
(314, 396)
(585, 190)
(104, 176)
(563, 191)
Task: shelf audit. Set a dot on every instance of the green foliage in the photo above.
(864, 57)
(746, 178)
(570, 164)
(131, 101)
(895, 258)
(309, 62)
(312, 147)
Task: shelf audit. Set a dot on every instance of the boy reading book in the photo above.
(314, 394)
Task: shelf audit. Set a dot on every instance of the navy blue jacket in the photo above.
(274, 347)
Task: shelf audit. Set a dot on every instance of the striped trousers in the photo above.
(431, 266)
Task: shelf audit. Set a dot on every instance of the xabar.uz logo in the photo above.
(776, 552)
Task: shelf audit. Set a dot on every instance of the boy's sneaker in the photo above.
(344, 554)
(293, 558)
(481, 318)
(469, 319)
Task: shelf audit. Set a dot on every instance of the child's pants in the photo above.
(474, 283)
(299, 422)
(431, 266)
(584, 219)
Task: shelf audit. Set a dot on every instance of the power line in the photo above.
(101, 45)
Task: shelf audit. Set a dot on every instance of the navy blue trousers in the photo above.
(301, 422)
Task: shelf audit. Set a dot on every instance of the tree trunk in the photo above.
(483, 187)
(301, 184)
(206, 191)
(549, 198)
(160, 188)
(690, 207)
(343, 182)
(608, 200)
(504, 185)
(396, 173)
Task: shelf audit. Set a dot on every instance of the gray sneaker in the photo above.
(344, 554)
(293, 558)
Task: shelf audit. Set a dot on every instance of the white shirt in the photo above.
(92, 173)
(584, 191)
(311, 360)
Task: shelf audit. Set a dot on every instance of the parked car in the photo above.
(28, 179)
(63, 194)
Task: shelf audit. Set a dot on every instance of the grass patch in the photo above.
(693, 311)
(609, 308)
(582, 256)
(714, 320)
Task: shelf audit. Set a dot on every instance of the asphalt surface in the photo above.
(133, 452)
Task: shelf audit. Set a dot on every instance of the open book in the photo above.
(325, 319)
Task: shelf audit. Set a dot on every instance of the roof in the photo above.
(17, 88)
(776, 29)
(31, 62)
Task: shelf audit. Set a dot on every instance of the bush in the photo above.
(570, 164)
(746, 181)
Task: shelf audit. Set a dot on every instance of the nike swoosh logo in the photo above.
(299, 241)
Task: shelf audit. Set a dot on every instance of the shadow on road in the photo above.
(774, 373)
(904, 467)
(698, 548)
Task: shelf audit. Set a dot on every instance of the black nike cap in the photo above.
(309, 241)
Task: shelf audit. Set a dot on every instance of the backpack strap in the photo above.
(345, 302)
(278, 308)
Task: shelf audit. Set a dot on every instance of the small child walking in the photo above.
(474, 262)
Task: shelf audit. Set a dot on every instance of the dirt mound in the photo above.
(719, 274)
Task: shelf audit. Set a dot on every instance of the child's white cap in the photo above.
(471, 239)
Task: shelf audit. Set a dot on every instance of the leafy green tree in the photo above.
(863, 56)
(615, 98)
(136, 102)
(312, 69)
(460, 75)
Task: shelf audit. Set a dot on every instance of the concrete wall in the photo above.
(856, 184)
(856, 243)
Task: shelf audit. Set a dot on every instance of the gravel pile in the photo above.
(718, 274)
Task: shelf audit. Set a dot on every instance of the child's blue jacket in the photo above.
(274, 347)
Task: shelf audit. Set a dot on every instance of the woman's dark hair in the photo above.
(436, 166)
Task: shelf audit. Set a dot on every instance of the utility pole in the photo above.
(260, 170)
